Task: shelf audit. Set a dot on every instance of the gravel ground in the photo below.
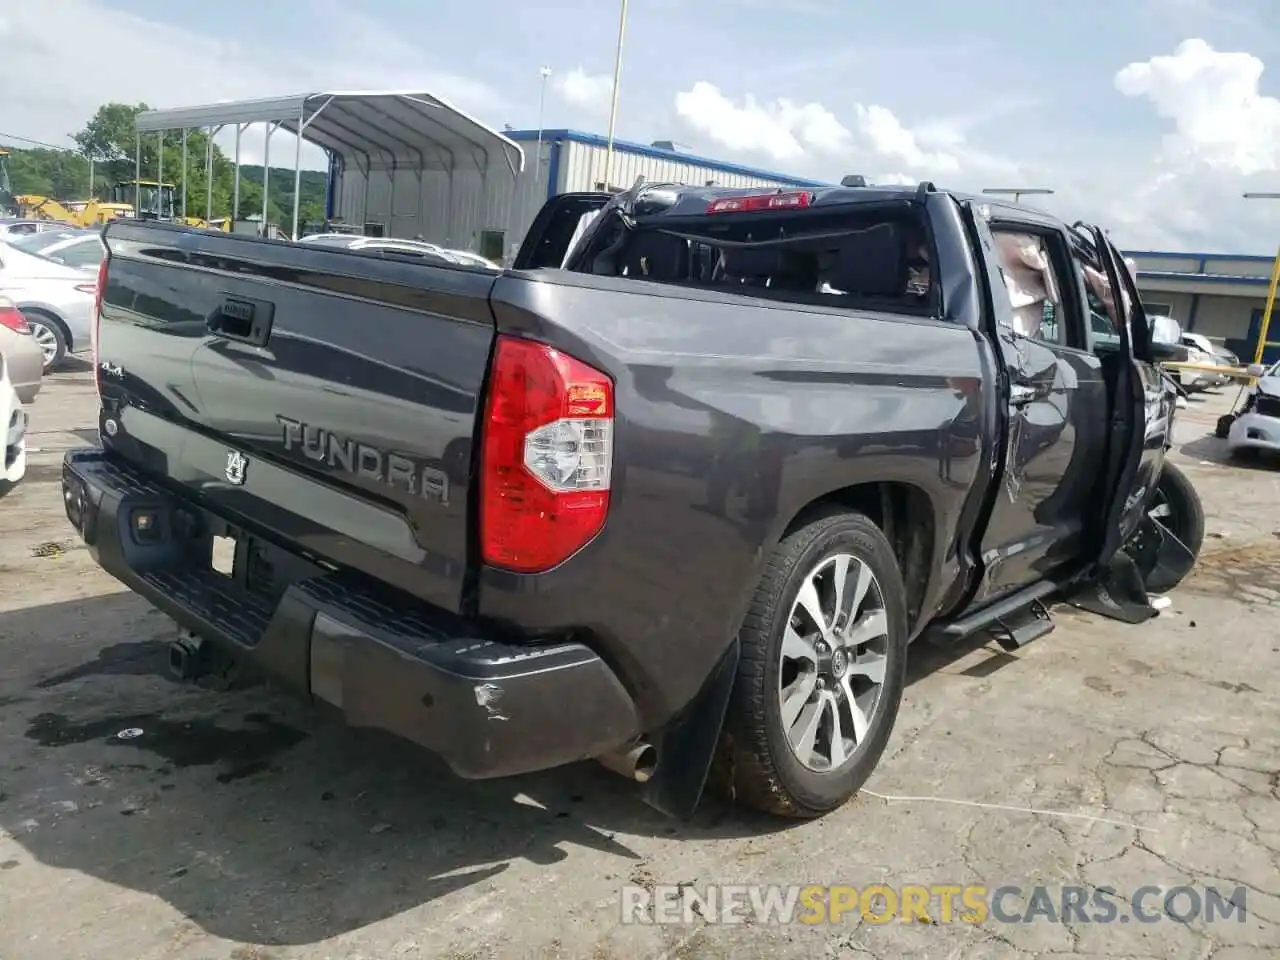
(246, 826)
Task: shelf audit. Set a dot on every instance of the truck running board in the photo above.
(1030, 623)
(1005, 616)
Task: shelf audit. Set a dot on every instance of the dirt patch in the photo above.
(1250, 574)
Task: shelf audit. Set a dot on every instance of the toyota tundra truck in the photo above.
(676, 491)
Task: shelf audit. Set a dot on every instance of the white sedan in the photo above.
(56, 299)
(82, 249)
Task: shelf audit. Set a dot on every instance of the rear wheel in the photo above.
(822, 670)
(49, 337)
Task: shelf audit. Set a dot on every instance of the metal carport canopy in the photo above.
(377, 130)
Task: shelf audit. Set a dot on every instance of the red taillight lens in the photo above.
(547, 456)
(11, 318)
(760, 201)
(98, 289)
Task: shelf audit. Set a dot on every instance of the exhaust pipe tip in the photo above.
(639, 762)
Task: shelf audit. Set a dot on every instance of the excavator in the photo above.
(155, 202)
(33, 206)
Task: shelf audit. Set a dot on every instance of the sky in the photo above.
(1150, 118)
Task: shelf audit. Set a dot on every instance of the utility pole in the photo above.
(1265, 326)
(613, 107)
(545, 74)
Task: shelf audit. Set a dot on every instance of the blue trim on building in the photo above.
(1202, 257)
(1201, 277)
(553, 168)
(656, 153)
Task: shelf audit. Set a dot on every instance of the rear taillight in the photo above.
(795, 200)
(11, 317)
(547, 456)
(98, 289)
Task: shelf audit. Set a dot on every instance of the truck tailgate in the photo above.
(326, 397)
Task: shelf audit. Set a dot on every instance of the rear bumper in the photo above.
(489, 709)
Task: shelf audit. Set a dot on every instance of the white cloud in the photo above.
(1223, 140)
(167, 66)
(1220, 116)
(808, 134)
(592, 93)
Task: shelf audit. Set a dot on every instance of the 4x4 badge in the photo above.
(237, 464)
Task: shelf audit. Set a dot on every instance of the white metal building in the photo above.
(1219, 295)
(401, 162)
(570, 161)
(406, 164)
(490, 216)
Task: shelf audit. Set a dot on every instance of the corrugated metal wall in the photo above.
(454, 210)
(451, 210)
(582, 167)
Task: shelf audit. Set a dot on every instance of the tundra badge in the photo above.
(237, 464)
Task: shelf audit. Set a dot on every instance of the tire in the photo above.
(1184, 519)
(756, 762)
(50, 336)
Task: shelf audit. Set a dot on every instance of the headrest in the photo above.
(665, 257)
(871, 263)
(754, 264)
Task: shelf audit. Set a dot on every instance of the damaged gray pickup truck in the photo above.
(676, 491)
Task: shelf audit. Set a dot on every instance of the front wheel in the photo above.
(1176, 508)
(824, 651)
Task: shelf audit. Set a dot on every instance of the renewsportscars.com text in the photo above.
(936, 903)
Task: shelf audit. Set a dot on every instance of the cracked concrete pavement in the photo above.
(245, 826)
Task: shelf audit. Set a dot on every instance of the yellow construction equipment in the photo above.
(155, 201)
(80, 213)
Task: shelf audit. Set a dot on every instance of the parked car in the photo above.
(81, 249)
(13, 423)
(23, 357)
(394, 245)
(56, 299)
(466, 519)
(1195, 381)
(15, 227)
(1213, 354)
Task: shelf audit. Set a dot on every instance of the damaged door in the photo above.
(1139, 436)
(1037, 517)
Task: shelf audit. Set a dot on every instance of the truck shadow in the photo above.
(264, 821)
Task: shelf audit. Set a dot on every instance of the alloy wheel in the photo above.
(46, 339)
(833, 659)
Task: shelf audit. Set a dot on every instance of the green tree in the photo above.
(110, 139)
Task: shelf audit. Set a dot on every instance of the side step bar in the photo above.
(1030, 623)
(1005, 617)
